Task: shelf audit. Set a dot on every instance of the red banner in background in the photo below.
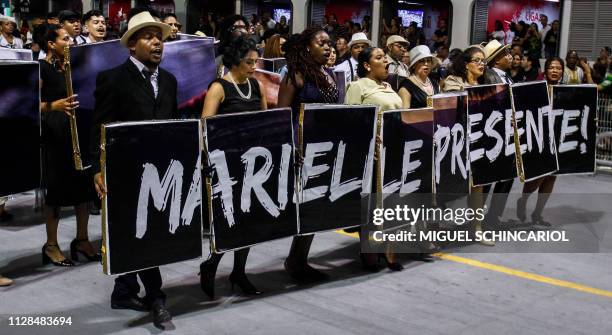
(118, 10)
(508, 11)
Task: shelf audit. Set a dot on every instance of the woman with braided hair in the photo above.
(307, 81)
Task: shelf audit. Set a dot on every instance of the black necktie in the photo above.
(147, 74)
(506, 79)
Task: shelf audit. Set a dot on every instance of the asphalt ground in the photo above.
(459, 293)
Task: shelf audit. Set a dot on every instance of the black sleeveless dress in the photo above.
(233, 102)
(418, 97)
(65, 185)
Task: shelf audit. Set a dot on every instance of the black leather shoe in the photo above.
(133, 303)
(305, 273)
(161, 316)
(75, 251)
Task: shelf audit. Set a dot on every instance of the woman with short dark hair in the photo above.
(371, 89)
(65, 186)
(237, 91)
(553, 72)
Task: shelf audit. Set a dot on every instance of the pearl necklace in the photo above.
(248, 96)
(426, 86)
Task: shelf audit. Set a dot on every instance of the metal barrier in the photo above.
(604, 133)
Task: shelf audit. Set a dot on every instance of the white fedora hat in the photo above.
(397, 39)
(142, 20)
(4, 18)
(492, 49)
(419, 52)
(359, 38)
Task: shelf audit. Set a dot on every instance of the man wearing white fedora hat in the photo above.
(499, 60)
(7, 40)
(359, 41)
(136, 90)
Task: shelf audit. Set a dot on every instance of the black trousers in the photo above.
(498, 200)
(126, 286)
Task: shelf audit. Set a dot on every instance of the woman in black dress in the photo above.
(419, 87)
(65, 186)
(235, 92)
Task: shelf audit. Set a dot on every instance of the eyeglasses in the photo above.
(177, 25)
(477, 61)
(239, 27)
(401, 46)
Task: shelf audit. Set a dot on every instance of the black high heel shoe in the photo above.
(74, 252)
(392, 266)
(207, 278)
(245, 285)
(46, 259)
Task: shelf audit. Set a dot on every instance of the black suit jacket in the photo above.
(122, 94)
(491, 77)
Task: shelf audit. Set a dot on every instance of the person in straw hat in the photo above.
(418, 89)
(7, 40)
(396, 46)
(359, 41)
(136, 90)
(499, 59)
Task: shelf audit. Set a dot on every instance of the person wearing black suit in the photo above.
(136, 90)
(499, 63)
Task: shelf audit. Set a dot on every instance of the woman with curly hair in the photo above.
(307, 81)
(237, 91)
(467, 70)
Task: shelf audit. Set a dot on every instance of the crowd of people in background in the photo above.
(404, 73)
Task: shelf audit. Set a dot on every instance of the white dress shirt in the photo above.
(503, 75)
(17, 43)
(349, 67)
(154, 74)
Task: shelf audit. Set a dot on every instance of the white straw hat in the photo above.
(142, 20)
(359, 38)
(419, 52)
(492, 49)
(4, 18)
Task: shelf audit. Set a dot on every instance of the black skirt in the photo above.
(65, 185)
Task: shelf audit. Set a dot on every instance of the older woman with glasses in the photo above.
(418, 89)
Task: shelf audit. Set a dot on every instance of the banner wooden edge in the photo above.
(105, 250)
